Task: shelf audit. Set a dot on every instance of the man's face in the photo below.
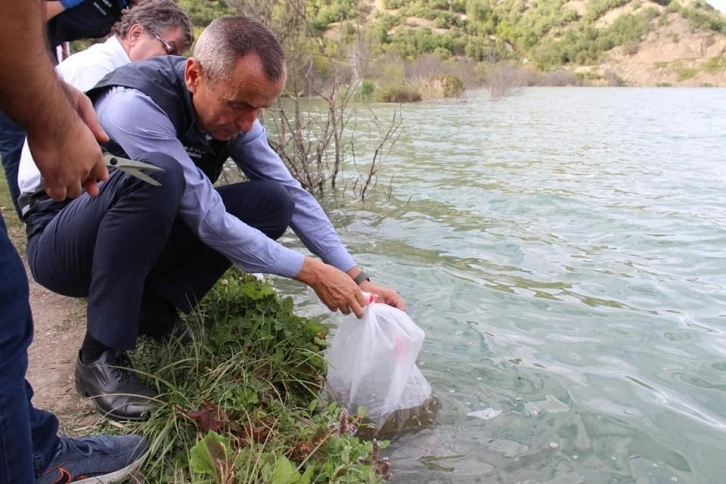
(143, 44)
(226, 107)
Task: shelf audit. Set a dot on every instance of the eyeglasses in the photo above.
(167, 47)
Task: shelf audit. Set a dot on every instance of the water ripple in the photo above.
(564, 251)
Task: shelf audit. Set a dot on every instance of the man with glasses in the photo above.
(170, 50)
(157, 27)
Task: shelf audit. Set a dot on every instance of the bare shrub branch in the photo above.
(505, 79)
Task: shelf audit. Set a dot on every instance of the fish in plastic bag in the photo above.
(372, 363)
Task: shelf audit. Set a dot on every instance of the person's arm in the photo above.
(56, 117)
(140, 126)
(253, 154)
(258, 160)
(33, 97)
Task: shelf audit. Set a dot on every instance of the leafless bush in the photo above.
(425, 66)
(313, 144)
(505, 79)
(465, 69)
(557, 78)
(385, 137)
(432, 65)
(613, 79)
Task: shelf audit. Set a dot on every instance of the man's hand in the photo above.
(334, 287)
(385, 295)
(69, 156)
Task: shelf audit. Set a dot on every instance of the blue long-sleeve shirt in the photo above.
(140, 126)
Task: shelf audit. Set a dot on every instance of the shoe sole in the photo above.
(115, 477)
(110, 415)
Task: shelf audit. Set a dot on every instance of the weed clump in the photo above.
(241, 404)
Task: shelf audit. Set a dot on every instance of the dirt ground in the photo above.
(59, 329)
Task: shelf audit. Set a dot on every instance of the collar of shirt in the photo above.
(113, 49)
(84, 69)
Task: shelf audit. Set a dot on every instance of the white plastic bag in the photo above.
(372, 363)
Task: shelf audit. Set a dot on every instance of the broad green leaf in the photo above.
(287, 305)
(307, 476)
(285, 472)
(210, 455)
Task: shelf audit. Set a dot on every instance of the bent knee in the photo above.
(170, 175)
(284, 207)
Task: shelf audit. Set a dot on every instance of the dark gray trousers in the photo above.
(129, 240)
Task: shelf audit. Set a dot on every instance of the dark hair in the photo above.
(227, 39)
(156, 17)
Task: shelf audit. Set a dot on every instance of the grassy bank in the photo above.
(241, 404)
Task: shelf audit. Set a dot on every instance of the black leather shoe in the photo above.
(116, 391)
(160, 320)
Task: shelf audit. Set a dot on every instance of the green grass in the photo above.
(242, 403)
(686, 73)
(714, 64)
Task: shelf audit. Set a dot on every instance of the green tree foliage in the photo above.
(322, 13)
(202, 12)
(545, 32)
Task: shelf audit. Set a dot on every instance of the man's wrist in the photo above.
(361, 277)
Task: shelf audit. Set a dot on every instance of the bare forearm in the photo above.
(31, 93)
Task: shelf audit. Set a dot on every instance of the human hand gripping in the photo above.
(334, 287)
(385, 295)
(68, 155)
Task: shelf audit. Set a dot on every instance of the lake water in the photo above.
(565, 252)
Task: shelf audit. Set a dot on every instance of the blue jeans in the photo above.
(28, 436)
(12, 138)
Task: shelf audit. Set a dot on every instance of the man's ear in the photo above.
(193, 75)
(134, 34)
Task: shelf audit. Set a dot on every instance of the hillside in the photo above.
(637, 41)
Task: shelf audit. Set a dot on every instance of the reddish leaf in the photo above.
(205, 420)
(208, 417)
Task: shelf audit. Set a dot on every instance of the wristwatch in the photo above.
(362, 276)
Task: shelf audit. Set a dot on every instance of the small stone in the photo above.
(575, 457)
(674, 479)
(478, 378)
(554, 445)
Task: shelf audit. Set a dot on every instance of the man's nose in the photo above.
(246, 120)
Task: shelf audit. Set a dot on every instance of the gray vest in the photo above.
(162, 79)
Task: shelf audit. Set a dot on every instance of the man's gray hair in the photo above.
(228, 39)
(156, 17)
